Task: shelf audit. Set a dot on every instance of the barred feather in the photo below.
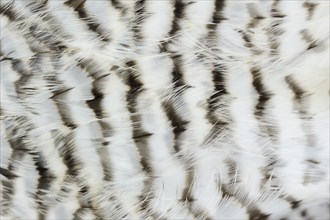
(176, 109)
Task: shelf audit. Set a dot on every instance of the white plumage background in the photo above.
(164, 109)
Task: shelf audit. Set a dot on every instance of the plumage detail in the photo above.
(171, 109)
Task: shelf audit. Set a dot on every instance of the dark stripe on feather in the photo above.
(218, 72)
(179, 8)
(264, 95)
(7, 10)
(296, 89)
(177, 123)
(310, 9)
(219, 80)
(78, 6)
(301, 105)
(118, 5)
(139, 135)
(139, 11)
(46, 178)
(307, 37)
(274, 30)
(256, 214)
(95, 104)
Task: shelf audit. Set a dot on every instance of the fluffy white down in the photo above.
(207, 109)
